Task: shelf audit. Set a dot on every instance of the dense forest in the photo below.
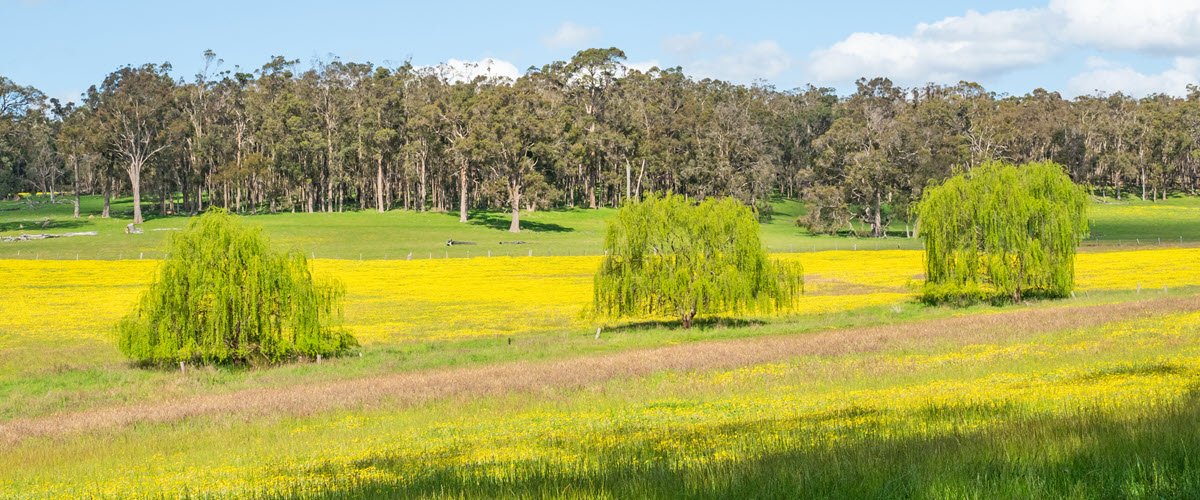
(588, 132)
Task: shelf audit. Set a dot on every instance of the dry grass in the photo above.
(412, 388)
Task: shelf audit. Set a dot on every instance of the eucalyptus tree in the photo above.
(458, 120)
(74, 141)
(593, 74)
(867, 149)
(135, 109)
(20, 106)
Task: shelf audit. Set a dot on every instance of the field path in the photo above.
(411, 388)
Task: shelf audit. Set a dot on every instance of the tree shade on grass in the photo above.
(669, 256)
(1002, 231)
(224, 295)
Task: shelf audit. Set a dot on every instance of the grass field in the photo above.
(399, 235)
(481, 378)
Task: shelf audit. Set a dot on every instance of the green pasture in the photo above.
(400, 234)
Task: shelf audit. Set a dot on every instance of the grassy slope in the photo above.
(395, 234)
(1039, 414)
(44, 390)
(1023, 452)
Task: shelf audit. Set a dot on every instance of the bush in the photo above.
(223, 295)
(666, 255)
(1002, 232)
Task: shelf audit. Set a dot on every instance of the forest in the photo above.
(582, 133)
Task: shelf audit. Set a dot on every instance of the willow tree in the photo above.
(670, 256)
(224, 295)
(1002, 231)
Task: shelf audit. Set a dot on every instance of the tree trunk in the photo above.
(422, 190)
(877, 224)
(135, 178)
(590, 185)
(515, 227)
(107, 198)
(379, 183)
(75, 184)
(462, 192)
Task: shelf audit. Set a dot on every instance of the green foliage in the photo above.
(223, 295)
(667, 255)
(1002, 231)
(827, 211)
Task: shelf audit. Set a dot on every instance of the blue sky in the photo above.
(1071, 46)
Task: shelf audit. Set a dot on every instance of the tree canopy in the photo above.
(585, 132)
(1002, 231)
(223, 295)
(666, 255)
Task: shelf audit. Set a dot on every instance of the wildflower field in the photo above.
(484, 377)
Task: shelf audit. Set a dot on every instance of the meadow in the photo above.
(485, 378)
(402, 235)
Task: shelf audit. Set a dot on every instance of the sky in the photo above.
(1070, 46)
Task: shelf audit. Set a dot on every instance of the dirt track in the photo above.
(403, 389)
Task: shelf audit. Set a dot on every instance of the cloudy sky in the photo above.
(1071, 46)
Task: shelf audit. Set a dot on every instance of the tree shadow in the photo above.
(503, 222)
(35, 226)
(1087, 455)
(706, 323)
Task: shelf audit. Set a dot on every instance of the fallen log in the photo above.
(451, 243)
(28, 237)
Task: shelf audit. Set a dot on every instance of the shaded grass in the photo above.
(1086, 455)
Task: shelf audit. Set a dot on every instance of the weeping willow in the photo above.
(668, 256)
(1002, 231)
(223, 295)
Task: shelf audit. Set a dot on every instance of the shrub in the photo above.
(1001, 231)
(223, 295)
(668, 256)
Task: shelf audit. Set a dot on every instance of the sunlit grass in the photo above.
(1117, 400)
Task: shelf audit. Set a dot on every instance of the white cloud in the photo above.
(724, 58)
(455, 70)
(1111, 78)
(1155, 26)
(571, 36)
(953, 49)
(683, 44)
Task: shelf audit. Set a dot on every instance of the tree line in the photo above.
(588, 132)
